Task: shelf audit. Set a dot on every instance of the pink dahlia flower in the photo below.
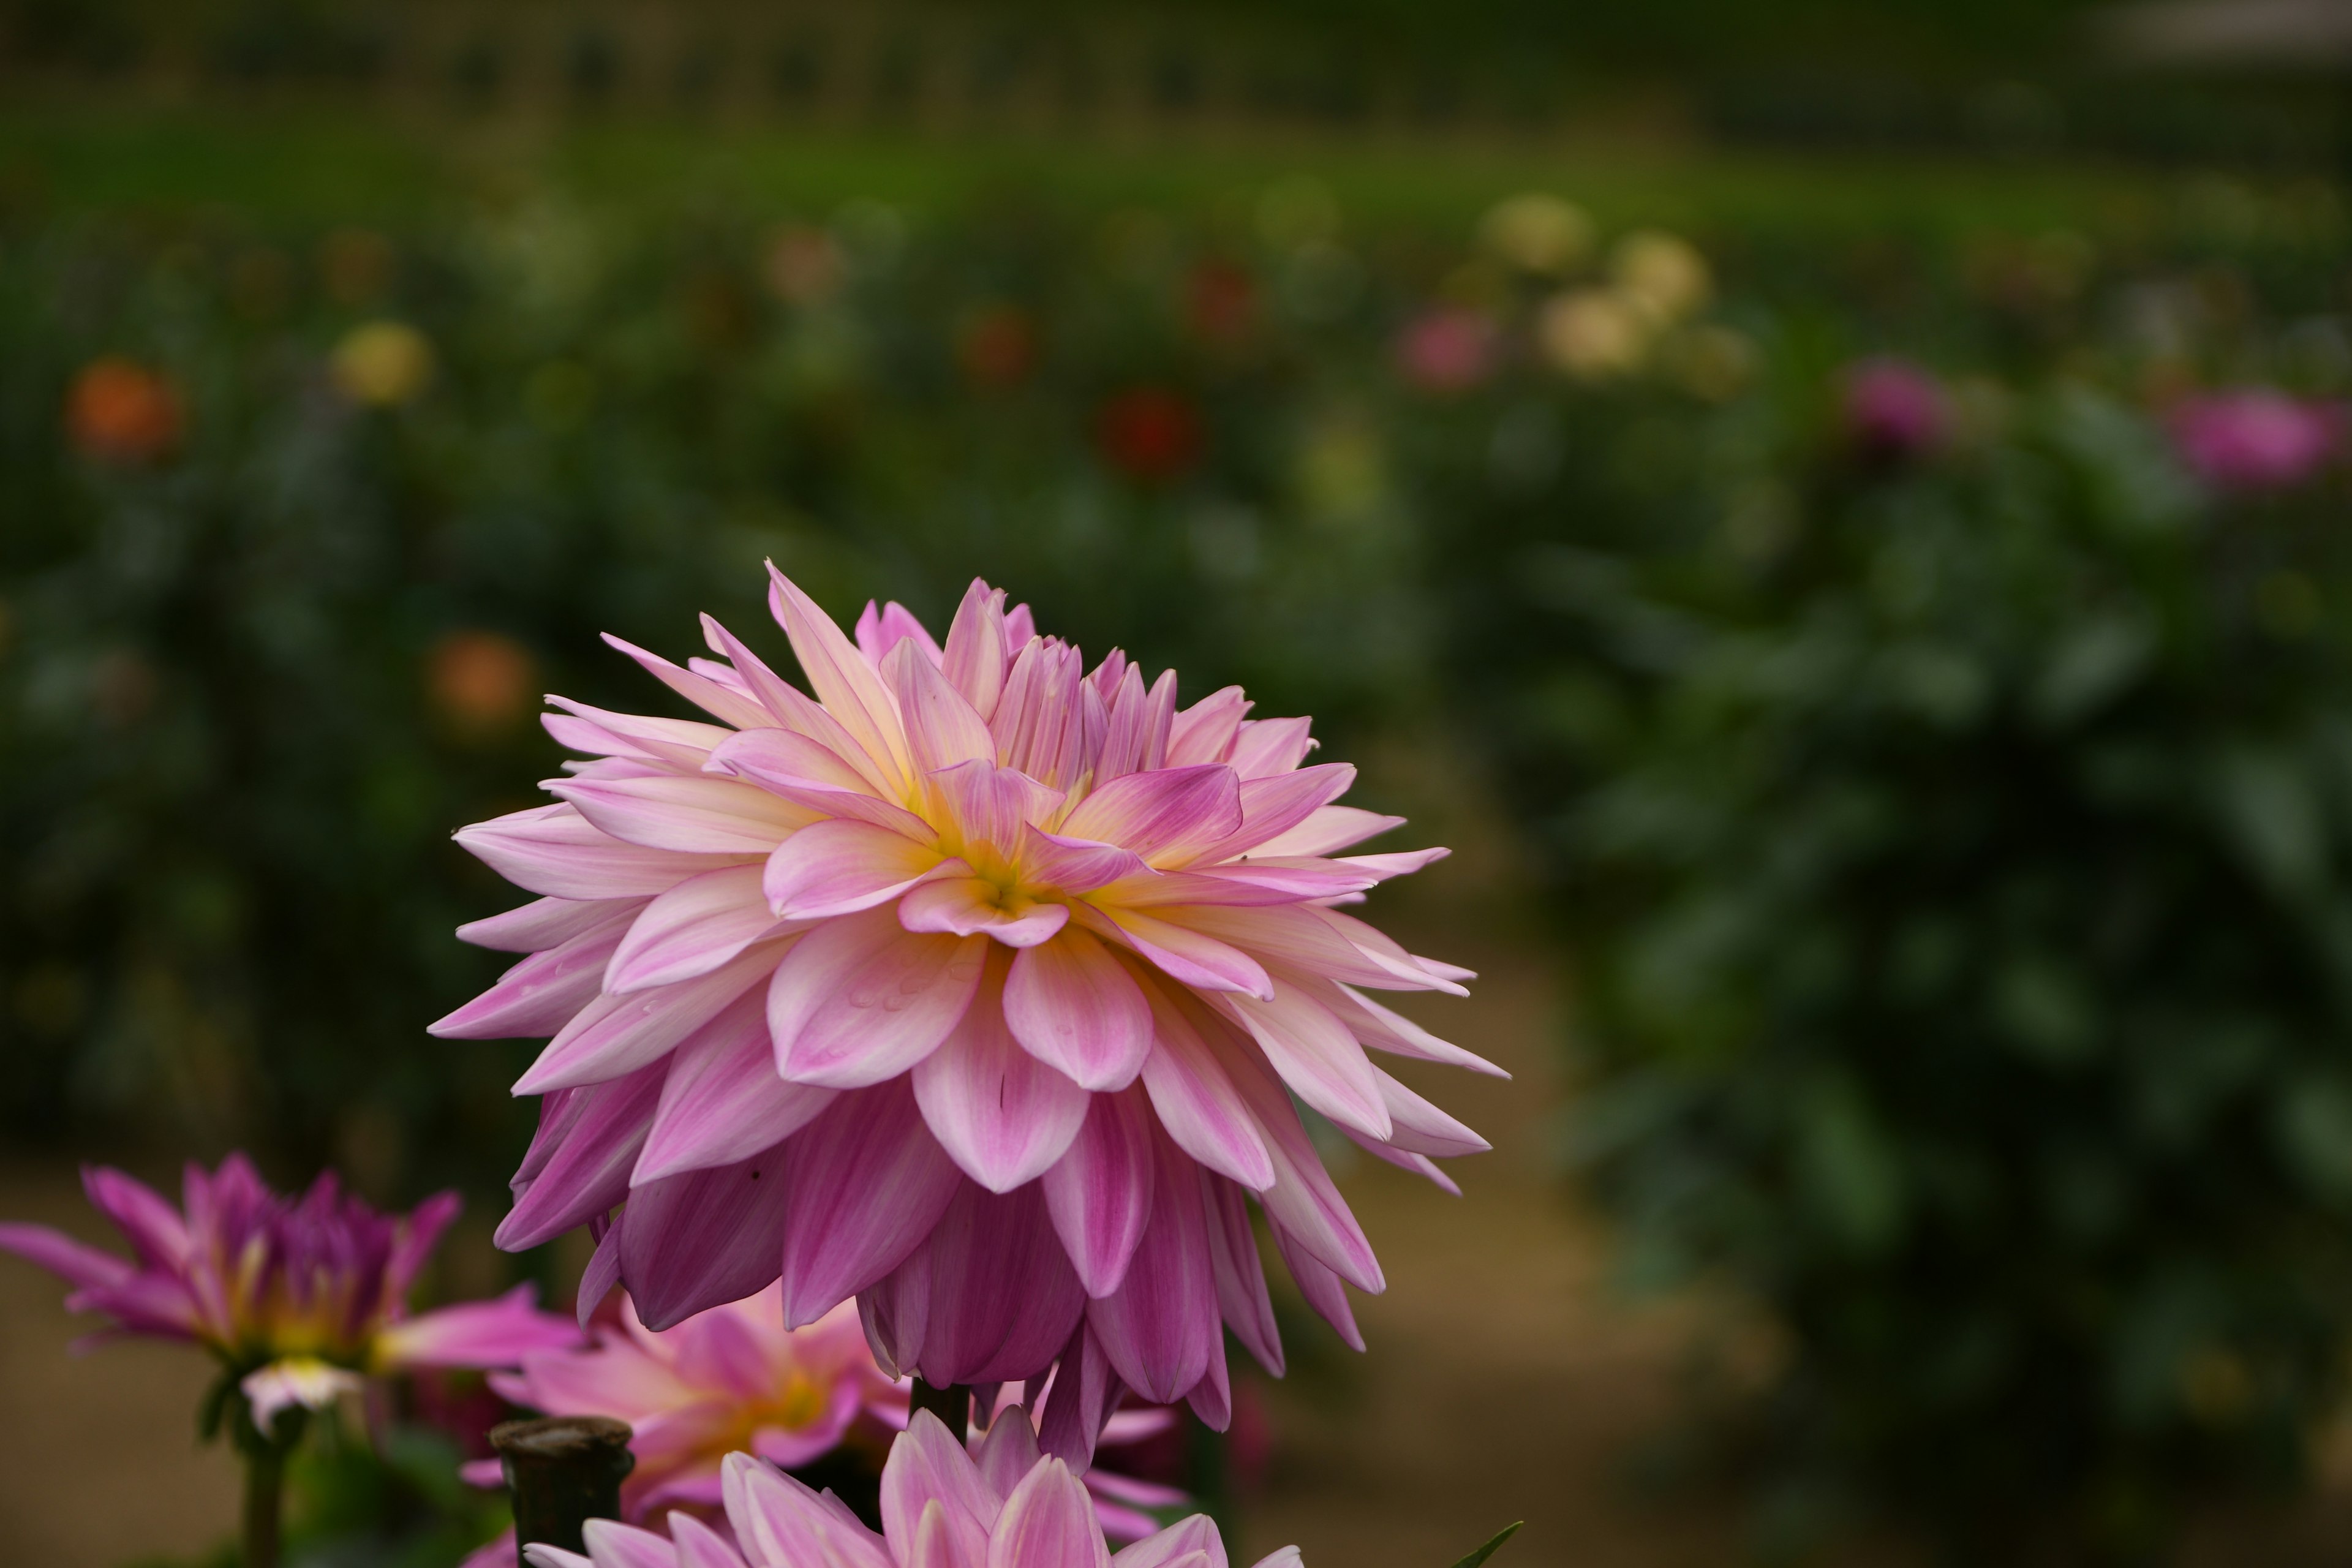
(977, 988)
(299, 1299)
(1011, 1508)
(1895, 411)
(1447, 350)
(2256, 438)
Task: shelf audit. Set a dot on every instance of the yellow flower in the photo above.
(1594, 333)
(383, 364)
(1664, 274)
(1537, 233)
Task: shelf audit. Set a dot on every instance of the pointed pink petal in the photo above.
(703, 1238)
(1074, 864)
(1009, 1453)
(612, 1544)
(1194, 1100)
(682, 744)
(722, 1100)
(156, 1231)
(1300, 936)
(1099, 1195)
(880, 633)
(1323, 1288)
(1003, 1296)
(1074, 1006)
(896, 1314)
(1079, 1399)
(993, 805)
(1165, 816)
(1302, 1199)
(587, 1168)
(941, 728)
(1385, 1030)
(858, 1000)
(810, 774)
(728, 706)
(693, 929)
(1158, 1326)
(1268, 746)
(537, 926)
(1329, 828)
(936, 1544)
(480, 1334)
(539, 995)
(1422, 1128)
(976, 656)
(839, 866)
(1183, 954)
(1246, 883)
(618, 1034)
(781, 1523)
(964, 906)
(1048, 1521)
(1241, 1294)
(1316, 1056)
(848, 687)
(867, 1183)
(597, 1279)
(698, 815)
(1204, 731)
(1000, 1113)
(1403, 863)
(1186, 1537)
(699, 1546)
(1273, 806)
(928, 1466)
(554, 850)
(68, 1260)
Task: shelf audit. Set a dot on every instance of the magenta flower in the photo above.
(1447, 350)
(1011, 1508)
(298, 1300)
(2256, 438)
(977, 988)
(1895, 411)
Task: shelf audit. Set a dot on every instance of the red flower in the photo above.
(1149, 433)
(120, 411)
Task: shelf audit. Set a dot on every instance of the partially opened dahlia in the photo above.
(976, 987)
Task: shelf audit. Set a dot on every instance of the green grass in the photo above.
(308, 165)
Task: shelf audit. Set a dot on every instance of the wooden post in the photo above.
(563, 1471)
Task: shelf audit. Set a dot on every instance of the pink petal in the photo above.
(810, 774)
(780, 1521)
(479, 1334)
(1302, 1199)
(1242, 882)
(552, 849)
(881, 631)
(1273, 806)
(1322, 1289)
(1009, 1453)
(928, 1468)
(1000, 1113)
(1074, 1006)
(1003, 1297)
(1403, 863)
(1165, 816)
(859, 1000)
(1204, 732)
(1265, 746)
(538, 925)
(539, 995)
(693, 929)
(936, 1544)
(941, 728)
(612, 1544)
(1186, 954)
(682, 744)
(1158, 1326)
(1386, 1030)
(699, 1546)
(1316, 1056)
(1411, 973)
(848, 687)
(597, 1279)
(587, 1169)
(867, 1183)
(699, 816)
(1073, 865)
(1193, 1098)
(618, 1034)
(993, 805)
(975, 657)
(1048, 1521)
(1329, 828)
(1421, 1165)
(728, 706)
(1196, 1534)
(840, 867)
(1299, 935)
(1421, 1128)
(703, 1238)
(1241, 1295)
(68, 1260)
(1099, 1193)
(896, 1313)
(786, 704)
(156, 1231)
(964, 906)
(722, 1100)
(1082, 1394)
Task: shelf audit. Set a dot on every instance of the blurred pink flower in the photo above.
(1446, 350)
(2256, 438)
(1012, 1509)
(1895, 411)
(298, 1299)
(977, 989)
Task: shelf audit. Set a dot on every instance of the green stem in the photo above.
(265, 1489)
(951, 1405)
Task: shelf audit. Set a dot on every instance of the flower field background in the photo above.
(1876, 634)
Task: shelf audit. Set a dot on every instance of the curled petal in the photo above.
(1166, 817)
(697, 926)
(1075, 1006)
(858, 1001)
(696, 814)
(556, 852)
(839, 866)
(479, 1334)
(966, 906)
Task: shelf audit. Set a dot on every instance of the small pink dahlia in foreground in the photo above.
(941, 1508)
(977, 988)
(298, 1300)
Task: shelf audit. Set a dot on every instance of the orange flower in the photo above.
(120, 411)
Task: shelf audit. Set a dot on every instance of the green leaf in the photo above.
(1493, 1545)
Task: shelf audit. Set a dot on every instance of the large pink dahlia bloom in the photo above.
(977, 987)
(1009, 1507)
(298, 1299)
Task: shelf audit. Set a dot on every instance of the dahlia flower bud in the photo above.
(976, 987)
(1011, 1507)
(299, 1299)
